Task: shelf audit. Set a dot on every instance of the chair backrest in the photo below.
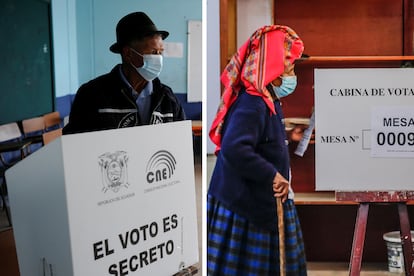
(51, 135)
(52, 119)
(9, 131)
(36, 124)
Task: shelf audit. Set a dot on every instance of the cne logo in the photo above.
(161, 166)
(114, 170)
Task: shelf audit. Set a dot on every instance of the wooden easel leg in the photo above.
(406, 238)
(359, 239)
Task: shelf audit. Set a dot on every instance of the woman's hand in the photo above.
(280, 187)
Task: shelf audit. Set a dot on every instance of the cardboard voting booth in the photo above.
(115, 202)
(364, 129)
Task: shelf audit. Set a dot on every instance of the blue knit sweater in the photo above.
(253, 150)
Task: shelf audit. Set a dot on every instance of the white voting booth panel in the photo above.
(116, 202)
(364, 127)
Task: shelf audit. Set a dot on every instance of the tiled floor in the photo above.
(8, 258)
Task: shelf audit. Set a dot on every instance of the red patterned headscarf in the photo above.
(260, 60)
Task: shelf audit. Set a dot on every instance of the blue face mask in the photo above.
(151, 68)
(287, 87)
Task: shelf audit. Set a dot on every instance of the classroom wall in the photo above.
(168, 15)
(83, 30)
(64, 36)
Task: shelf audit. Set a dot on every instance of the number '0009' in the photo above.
(391, 138)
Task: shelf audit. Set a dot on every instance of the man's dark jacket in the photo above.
(107, 103)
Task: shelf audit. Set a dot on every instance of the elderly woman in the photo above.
(252, 167)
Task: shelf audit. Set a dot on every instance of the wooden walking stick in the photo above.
(281, 228)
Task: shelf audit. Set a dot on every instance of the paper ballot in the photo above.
(304, 142)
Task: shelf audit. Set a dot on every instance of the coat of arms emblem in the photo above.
(114, 170)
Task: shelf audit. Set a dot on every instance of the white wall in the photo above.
(251, 15)
(213, 67)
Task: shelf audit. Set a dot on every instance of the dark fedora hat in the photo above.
(135, 25)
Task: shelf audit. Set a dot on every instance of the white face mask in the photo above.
(151, 68)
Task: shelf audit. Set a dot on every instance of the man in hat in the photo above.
(131, 94)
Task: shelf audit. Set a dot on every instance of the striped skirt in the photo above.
(236, 247)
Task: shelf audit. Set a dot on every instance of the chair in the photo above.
(33, 129)
(49, 136)
(9, 131)
(36, 124)
(10, 143)
(52, 120)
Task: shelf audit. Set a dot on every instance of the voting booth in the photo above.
(364, 129)
(114, 202)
